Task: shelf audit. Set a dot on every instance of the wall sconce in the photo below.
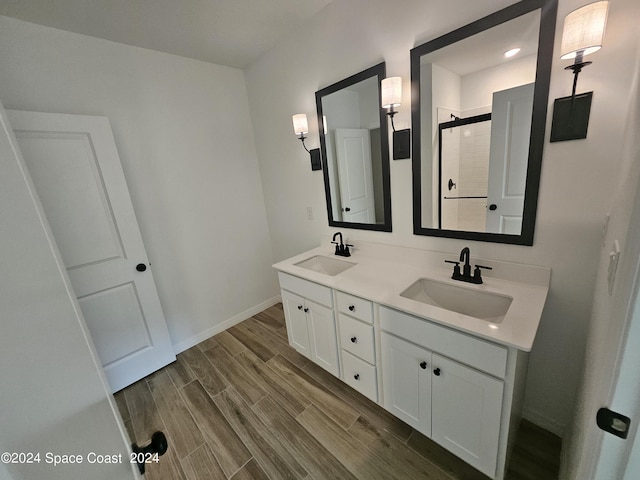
(391, 96)
(582, 35)
(300, 127)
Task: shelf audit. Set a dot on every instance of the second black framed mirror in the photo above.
(479, 106)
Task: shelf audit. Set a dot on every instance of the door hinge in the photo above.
(613, 422)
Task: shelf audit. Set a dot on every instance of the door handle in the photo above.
(157, 446)
(141, 267)
(493, 206)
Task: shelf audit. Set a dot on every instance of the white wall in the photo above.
(610, 311)
(185, 139)
(477, 88)
(578, 177)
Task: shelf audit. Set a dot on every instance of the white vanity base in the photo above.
(456, 379)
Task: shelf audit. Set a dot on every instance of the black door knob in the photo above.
(141, 267)
(493, 206)
(354, 340)
(347, 209)
(157, 445)
(423, 365)
(436, 372)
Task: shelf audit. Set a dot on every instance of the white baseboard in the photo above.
(222, 326)
(543, 421)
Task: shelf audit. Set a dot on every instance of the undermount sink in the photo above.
(327, 265)
(484, 305)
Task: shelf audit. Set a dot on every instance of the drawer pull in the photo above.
(436, 372)
(306, 310)
(354, 340)
(423, 365)
(357, 376)
(352, 308)
(299, 307)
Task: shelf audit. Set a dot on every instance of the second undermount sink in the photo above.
(484, 305)
(327, 265)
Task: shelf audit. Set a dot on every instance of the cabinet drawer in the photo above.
(355, 307)
(307, 289)
(476, 353)
(357, 338)
(360, 375)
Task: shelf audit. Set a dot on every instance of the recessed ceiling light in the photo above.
(511, 53)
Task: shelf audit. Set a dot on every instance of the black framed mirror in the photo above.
(478, 125)
(354, 146)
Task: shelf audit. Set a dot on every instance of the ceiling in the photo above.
(225, 32)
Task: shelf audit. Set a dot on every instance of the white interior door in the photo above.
(76, 171)
(53, 393)
(353, 151)
(509, 154)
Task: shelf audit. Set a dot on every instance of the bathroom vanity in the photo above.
(448, 358)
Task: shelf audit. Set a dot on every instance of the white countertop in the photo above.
(382, 272)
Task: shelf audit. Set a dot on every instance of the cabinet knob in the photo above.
(306, 310)
(354, 340)
(357, 376)
(423, 365)
(436, 372)
(299, 307)
(352, 308)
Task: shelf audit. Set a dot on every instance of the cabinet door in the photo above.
(466, 413)
(406, 378)
(322, 336)
(296, 321)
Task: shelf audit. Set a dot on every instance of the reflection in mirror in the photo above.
(355, 151)
(478, 125)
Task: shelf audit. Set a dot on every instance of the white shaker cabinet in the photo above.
(406, 370)
(461, 390)
(452, 402)
(466, 406)
(310, 320)
(457, 406)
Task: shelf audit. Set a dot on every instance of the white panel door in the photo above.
(508, 159)
(406, 379)
(353, 151)
(76, 170)
(466, 409)
(53, 393)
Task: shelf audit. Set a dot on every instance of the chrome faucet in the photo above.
(341, 248)
(465, 275)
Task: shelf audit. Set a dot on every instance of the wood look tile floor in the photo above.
(244, 405)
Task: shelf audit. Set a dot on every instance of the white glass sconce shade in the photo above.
(391, 92)
(583, 30)
(300, 125)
